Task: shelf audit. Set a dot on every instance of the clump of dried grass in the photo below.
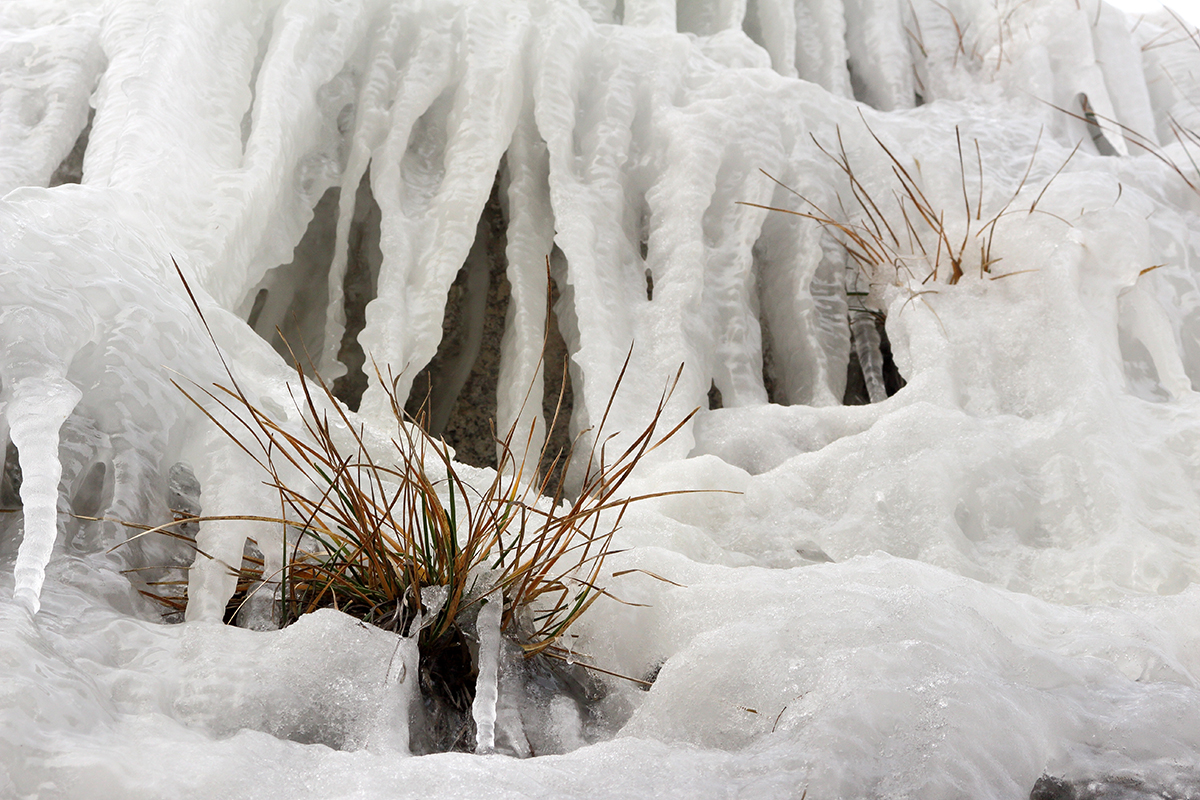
(404, 542)
(905, 239)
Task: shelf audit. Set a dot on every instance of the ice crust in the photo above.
(990, 575)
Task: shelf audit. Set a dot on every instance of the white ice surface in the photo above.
(990, 575)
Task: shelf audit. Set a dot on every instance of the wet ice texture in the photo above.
(1012, 536)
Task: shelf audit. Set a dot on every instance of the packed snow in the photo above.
(988, 574)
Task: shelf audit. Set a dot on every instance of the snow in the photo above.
(989, 576)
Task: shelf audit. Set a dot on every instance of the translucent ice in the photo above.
(486, 684)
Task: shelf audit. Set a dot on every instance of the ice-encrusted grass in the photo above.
(907, 239)
(408, 544)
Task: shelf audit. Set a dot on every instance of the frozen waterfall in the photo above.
(952, 390)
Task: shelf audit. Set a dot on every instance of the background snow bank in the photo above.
(987, 576)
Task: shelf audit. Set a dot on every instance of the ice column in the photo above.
(530, 239)
(1148, 323)
(486, 686)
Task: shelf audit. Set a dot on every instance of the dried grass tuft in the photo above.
(906, 240)
(392, 542)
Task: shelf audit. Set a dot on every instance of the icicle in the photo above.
(224, 490)
(389, 40)
(867, 344)
(530, 237)
(821, 45)
(777, 21)
(878, 53)
(45, 96)
(1120, 60)
(486, 689)
(432, 183)
(35, 412)
(1150, 326)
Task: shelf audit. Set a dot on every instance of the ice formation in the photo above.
(987, 577)
(487, 685)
